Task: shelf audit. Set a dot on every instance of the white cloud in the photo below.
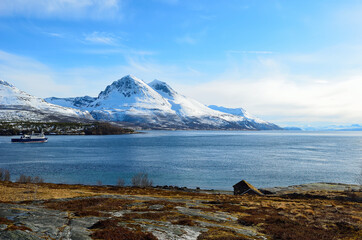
(249, 52)
(275, 94)
(67, 9)
(322, 86)
(34, 77)
(43, 81)
(101, 38)
(285, 98)
(119, 50)
(192, 38)
(349, 15)
(322, 81)
(58, 35)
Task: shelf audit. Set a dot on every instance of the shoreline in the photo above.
(63, 128)
(62, 211)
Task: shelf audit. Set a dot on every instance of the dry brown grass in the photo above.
(167, 205)
(103, 224)
(11, 226)
(159, 216)
(222, 234)
(183, 220)
(10, 192)
(110, 230)
(5, 221)
(17, 227)
(89, 206)
(305, 220)
(121, 233)
(226, 207)
(284, 229)
(318, 215)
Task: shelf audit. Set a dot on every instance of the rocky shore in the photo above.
(59, 211)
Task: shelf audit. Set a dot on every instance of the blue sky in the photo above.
(290, 62)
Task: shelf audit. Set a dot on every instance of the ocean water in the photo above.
(205, 159)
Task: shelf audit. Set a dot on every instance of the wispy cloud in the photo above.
(125, 51)
(65, 9)
(186, 39)
(321, 81)
(192, 38)
(35, 77)
(101, 38)
(249, 52)
(284, 99)
(349, 15)
(274, 94)
(42, 80)
(58, 35)
(273, 87)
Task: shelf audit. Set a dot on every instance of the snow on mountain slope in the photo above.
(157, 105)
(75, 102)
(128, 92)
(191, 110)
(183, 106)
(16, 105)
(130, 99)
(260, 124)
(237, 112)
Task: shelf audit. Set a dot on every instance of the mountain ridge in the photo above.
(158, 105)
(155, 105)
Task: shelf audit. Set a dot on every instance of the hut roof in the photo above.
(247, 186)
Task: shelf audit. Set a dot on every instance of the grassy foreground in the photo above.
(150, 213)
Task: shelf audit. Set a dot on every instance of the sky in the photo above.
(294, 63)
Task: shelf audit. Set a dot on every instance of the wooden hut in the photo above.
(243, 187)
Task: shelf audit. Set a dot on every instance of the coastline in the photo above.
(63, 128)
(61, 211)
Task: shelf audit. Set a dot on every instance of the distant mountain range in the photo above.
(16, 105)
(128, 100)
(352, 127)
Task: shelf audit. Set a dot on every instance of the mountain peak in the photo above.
(2, 82)
(130, 91)
(130, 79)
(127, 86)
(162, 88)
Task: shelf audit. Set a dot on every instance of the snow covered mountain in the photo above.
(256, 122)
(157, 105)
(352, 127)
(129, 99)
(76, 102)
(16, 105)
(197, 115)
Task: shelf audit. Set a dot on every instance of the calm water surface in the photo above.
(206, 159)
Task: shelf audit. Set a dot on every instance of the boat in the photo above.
(32, 138)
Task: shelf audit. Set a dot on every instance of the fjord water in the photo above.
(205, 159)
